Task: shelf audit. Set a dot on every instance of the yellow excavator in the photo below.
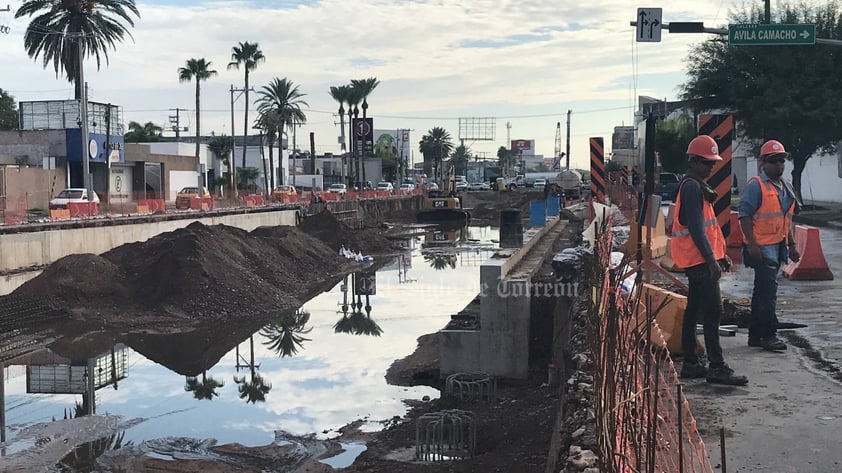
(443, 205)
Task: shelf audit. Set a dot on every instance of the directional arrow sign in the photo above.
(752, 34)
(648, 25)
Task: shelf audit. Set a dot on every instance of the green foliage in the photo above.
(8, 111)
(246, 177)
(506, 159)
(787, 93)
(54, 32)
(459, 160)
(671, 138)
(146, 133)
(436, 146)
(221, 147)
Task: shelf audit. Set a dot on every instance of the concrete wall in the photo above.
(39, 248)
(32, 187)
(34, 145)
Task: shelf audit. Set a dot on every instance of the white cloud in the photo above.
(432, 57)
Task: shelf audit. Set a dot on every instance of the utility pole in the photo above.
(83, 118)
(768, 12)
(175, 122)
(232, 166)
(313, 154)
(569, 112)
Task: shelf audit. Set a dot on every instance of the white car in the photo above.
(337, 189)
(385, 186)
(72, 195)
(431, 186)
(539, 184)
(407, 187)
(461, 185)
(478, 186)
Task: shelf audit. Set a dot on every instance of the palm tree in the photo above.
(353, 99)
(285, 335)
(340, 94)
(249, 56)
(269, 122)
(56, 33)
(246, 178)
(435, 146)
(440, 261)
(143, 133)
(221, 147)
(283, 97)
(206, 389)
(255, 389)
(197, 70)
(364, 88)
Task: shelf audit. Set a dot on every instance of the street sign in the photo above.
(366, 284)
(649, 25)
(754, 34)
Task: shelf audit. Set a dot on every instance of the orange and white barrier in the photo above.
(812, 266)
(60, 214)
(154, 205)
(83, 209)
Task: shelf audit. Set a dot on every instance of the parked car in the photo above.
(182, 199)
(338, 189)
(407, 187)
(461, 186)
(431, 186)
(72, 195)
(667, 186)
(364, 185)
(539, 184)
(385, 186)
(283, 191)
(478, 186)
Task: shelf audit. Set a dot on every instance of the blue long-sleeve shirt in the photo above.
(750, 200)
(690, 215)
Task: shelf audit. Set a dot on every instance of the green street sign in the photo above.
(753, 34)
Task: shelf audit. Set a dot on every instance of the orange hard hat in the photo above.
(772, 147)
(704, 147)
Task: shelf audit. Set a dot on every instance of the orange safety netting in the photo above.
(643, 421)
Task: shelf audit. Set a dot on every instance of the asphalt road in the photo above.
(788, 418)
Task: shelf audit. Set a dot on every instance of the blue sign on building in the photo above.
(96, 147)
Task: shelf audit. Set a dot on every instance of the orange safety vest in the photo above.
(770, 223)
(683, 249)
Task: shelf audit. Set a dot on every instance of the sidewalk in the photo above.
(820, 214)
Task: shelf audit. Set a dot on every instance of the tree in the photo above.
(671, 138)
(8, 111)
(255, 389)
(282, 98)
(196, 70)
(353, 99)
(146, 133)
(505, 158)
(246, 177)
(364, 88)
(270, 123)
(459, 160)
(55, 33)
(340, 94)
(205, 389)
(787, 93)
(249, 56)
(221, 148)
(435, 146)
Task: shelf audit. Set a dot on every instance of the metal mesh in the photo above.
(445, 435)
(471, 387)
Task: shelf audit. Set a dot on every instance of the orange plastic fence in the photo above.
(83, 209)
(643, 421)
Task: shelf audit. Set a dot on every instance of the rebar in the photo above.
(446, 435)
(474, 386)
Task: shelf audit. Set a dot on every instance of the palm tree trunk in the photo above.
(198, 87)
(272, 161)
(266, 189)
(246, 120)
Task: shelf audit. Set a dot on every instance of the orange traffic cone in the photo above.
(736, 237)
(812, 266)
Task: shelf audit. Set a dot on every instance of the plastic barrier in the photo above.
(553, 205)
(329, 196)
(812, 266)
(658, 236)
(59, 214)
(141, 209)
(735, 238)
(154, 205)
(83, 209)
(201, 203)
(537, 213)
(670, 308)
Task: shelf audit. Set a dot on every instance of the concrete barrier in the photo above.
(39, 248)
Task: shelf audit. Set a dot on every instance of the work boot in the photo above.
(723, 374)
(772, 343)
(693, 371)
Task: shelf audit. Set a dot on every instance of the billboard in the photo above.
(389, 143)
(622, 138)
(363, 136)
(523, 147)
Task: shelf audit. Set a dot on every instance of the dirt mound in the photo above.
(197, 272)
(336, 234)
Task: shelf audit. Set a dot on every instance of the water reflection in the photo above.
(311, 371)
(84, 456)
(440, 261)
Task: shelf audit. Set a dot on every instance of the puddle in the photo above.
(345, 459)
(311, 372)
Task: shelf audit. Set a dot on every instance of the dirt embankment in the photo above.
(485, 207)
(201, 273)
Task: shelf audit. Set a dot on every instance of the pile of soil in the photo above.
(335, 234)
(194, 273)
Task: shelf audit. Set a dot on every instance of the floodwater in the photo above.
(314, 375)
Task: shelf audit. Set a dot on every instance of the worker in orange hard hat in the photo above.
(698, 246)
(767, 205)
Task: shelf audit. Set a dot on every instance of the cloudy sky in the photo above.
(523, 62)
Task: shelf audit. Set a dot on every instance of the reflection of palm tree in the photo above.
(206, 389)
(84, 457)
(439, 261)
(358, 324)
(256, 388)
(285, 334)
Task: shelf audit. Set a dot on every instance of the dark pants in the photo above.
(764, 322)
(704, 304)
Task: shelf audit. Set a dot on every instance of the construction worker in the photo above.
(767, 205)
(698, 246)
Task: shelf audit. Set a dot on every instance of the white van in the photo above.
(72, 195)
